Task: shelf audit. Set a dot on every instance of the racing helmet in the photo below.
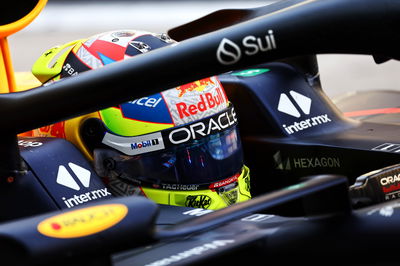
(177, 147)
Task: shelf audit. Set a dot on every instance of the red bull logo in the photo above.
(198, 85)
(206, 101)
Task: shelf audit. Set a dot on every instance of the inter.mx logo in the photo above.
(297, 105)
(75, 177)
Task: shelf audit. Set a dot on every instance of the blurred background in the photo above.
(63, 21)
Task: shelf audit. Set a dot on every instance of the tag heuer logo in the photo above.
(287, 106)
(65, 178)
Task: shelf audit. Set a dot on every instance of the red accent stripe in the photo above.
(373, 112)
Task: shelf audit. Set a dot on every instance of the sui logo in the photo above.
(229, 53)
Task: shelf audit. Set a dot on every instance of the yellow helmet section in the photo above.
(114, 118)
(50, 63)
(206, 198)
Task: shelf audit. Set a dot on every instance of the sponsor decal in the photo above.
(305, 162)
(196, 251)
(135, 145)
(390, 186)
(151, 108)
(224, 182)
(203, 128)
(287, 106)
(281, 164)
(169, 137)
(82, 175)
(316, 162)
(67, 68)
(70, 70)
(393, 195)
(180, 187)
(27, 143)
(66, 179)
(144, 144)
(198, 201)
(251, 72)
(195, 101)
(150, 102)
(83, 222)
(307, 123)
(85, 197)
(229, 53)
(206, 101)
(388, 147)
(390, 180)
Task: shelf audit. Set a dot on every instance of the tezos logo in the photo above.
(229, 52)
(288, 106)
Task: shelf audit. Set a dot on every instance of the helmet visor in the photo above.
(188, 165)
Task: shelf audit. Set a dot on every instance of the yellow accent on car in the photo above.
(7, 78)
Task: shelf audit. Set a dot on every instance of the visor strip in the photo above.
(181, 135)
